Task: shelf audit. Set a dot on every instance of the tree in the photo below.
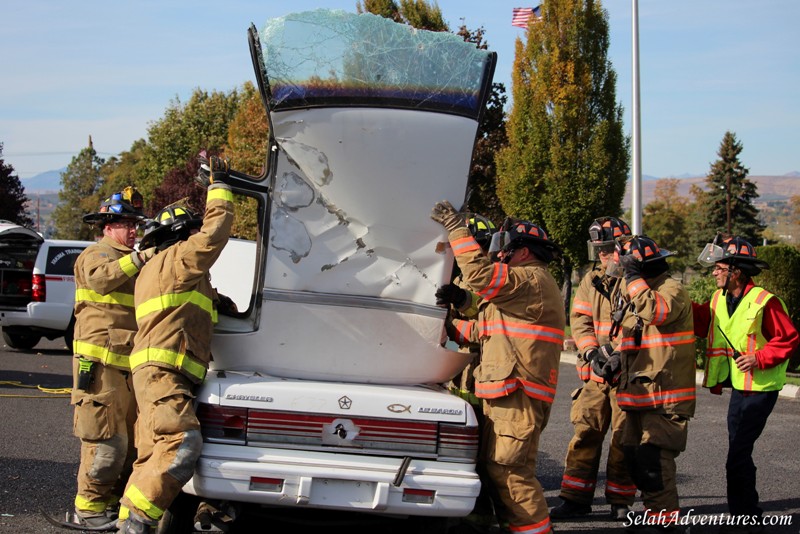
(176, 138)
(12, 195)
(80, 183)
(665, 220)
(417, 13)
(567, 158)
(728, 197)
(248, 135)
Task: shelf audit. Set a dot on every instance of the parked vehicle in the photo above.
(37, 286)
(324, 391)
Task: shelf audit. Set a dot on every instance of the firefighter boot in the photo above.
(136, 524)
(90, 520)
(570, 509)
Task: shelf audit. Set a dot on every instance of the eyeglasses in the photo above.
(125, 225)
(719, 270)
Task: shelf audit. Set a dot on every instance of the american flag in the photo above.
(522, 15)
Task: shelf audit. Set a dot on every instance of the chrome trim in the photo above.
(353, 301)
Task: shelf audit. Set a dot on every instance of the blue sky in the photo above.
(110, 68)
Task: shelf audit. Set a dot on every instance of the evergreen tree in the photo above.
(79, 196)
(727, 189)
(12, 195)
(567, 157)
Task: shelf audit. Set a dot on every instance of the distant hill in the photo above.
(770, 188)
(46, 182)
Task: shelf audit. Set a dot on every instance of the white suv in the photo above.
(37, 286)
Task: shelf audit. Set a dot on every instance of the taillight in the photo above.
(222, 424)
(419, 496)
(459, 442)
(38, 288)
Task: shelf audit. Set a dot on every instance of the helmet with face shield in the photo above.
(734, 251)
(602, 235)
(515, 233)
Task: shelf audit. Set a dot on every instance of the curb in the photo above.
(789, 391)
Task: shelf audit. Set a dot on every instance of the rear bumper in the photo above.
(40, 316)
(332, 481)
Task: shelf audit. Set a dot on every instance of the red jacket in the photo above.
(776, 326)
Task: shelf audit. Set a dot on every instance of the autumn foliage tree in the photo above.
(567, 157)
(666, 220)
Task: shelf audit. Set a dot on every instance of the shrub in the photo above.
(700, 290)
(782, 279)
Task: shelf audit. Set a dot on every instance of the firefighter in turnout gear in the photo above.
(655, 362)
(750, 341)
(520, 328)
(175, 312)
(102, 393)
(594, 408)
(462, 303)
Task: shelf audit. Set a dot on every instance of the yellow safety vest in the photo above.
(743, 330)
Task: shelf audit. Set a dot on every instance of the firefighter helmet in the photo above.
(602, 235)
(735, 251)
(481, 229)
(171, 224)
(642, 248)
(515, 233)
(125, 204)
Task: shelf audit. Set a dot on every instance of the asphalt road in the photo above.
(39, 457)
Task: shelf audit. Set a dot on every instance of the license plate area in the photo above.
(333, 492)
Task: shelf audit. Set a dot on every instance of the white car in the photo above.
(37, 286)
(325, 388)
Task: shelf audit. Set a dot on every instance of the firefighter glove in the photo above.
(451, 294)
(600, 358)
(143, 256)
(212, 170)
(631, 266)
(226, 306)
(445, 214)
(589, 355)
(611, 367)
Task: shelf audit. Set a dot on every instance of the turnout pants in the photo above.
(595, 411)
(513, 426)
(651, 442)
(168, 440)
(103, 420)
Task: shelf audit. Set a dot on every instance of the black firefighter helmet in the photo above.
(734, 251)
(515, 233)
(170, 225)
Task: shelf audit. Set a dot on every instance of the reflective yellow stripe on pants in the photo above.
(180, 361)
(105, 356)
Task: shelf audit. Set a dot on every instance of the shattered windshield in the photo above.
(330, 58)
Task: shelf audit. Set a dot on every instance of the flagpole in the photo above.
(636, 191)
